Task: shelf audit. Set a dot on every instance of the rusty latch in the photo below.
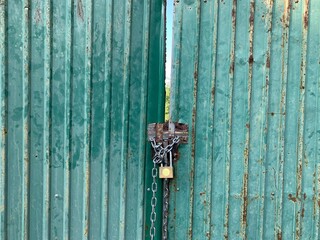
(162, 132)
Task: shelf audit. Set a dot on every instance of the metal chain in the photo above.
(165, 211)
(160, 151)
(160, 154)
(154, 188)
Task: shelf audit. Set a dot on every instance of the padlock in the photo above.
(166, 172)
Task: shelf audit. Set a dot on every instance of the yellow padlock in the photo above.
(167, 171)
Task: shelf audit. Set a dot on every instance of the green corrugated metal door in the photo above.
(79, 80)
(246, 79)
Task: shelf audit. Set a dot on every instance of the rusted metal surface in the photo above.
(79, 81)
(165, 131)
(246, 80)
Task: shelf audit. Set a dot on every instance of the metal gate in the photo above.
(246, 80)
(79, 80)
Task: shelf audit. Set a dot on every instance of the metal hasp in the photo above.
(165, 139)
(166, 131)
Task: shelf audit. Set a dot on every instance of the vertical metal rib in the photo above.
(59, 117)
(3, 117)
(125, 117)
(88, 116)
(47, 120)
(229, 123)
(309, 217)
(264, 131)
(222, 95)
(243, 232)
(175, 100)
(314, 84)
(284, 78)
(210, 176)
(258, 118)
(68, 118)
(317, 197)
(203, 173)
(143, 108)
(301, 116)
(107, 100)
(194, 115)
(26, 116)
(292, 164)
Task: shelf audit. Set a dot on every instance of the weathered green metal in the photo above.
(246, 80)
(79, 81)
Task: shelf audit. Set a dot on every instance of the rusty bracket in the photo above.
(162, 132)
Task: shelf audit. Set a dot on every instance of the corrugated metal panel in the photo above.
(76, 79)
(246, 80)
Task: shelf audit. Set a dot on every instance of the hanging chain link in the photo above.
(165, 211)
(160, 153)
(154, 188)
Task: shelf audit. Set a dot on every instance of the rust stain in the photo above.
(314, 198)
(4, 132)
(248, 125)
(195, 74)
(292, 198)
(298, 230)
(233, 14)
(302, 213)
(268, 61)
(306, 15)
(306, 19)
(246, 153)
(299, 173)
(202, 193)
(86, 231)
(176, 156)
(226, 223)
(285, 17)
(304, 196)
(250, 59)
(251, 18)
(245, 202)
(194, 112)
(231, 69)
(279, 235)
(80, 10)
